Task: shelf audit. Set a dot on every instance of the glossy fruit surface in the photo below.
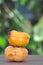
(16, 53)
(18, 38)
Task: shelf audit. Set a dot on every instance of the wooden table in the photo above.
(31, 60)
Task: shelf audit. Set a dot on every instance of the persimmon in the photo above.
(16, 53)
(18, 38)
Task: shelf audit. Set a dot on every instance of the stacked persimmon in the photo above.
(16, 51)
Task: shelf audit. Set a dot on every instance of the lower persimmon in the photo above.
(16, 53)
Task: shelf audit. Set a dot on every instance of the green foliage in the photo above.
(38, 31)
(2, 42)
(12, 19)
(23, 2)
(22, 22)
(1, 1)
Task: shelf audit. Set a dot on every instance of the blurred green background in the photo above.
(22, 15)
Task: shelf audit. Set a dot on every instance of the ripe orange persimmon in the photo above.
(16, 53)
(18, 38)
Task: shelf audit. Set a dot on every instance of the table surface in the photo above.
(31, 60)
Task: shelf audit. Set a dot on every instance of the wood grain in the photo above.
(31, 60)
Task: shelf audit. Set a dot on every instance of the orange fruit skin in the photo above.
(18, 38)
(16, 53)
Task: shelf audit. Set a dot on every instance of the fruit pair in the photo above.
(16, 52)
